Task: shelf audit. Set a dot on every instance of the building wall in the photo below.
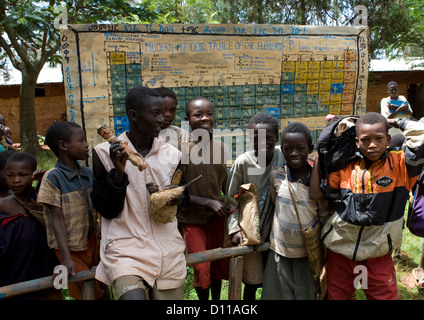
(47, 108)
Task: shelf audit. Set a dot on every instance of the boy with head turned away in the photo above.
(374, 188)
(142, 259)
(24, 253)
(253, 264)
(288, 275)
(176, 134)
(203, 220)
(71, 220)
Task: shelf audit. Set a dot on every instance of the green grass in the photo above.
(45, 159)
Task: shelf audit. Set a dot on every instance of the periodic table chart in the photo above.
(295, 73)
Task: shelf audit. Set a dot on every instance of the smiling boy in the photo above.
(367, 225)
(288, 275)
(203, 220)
(239, 174)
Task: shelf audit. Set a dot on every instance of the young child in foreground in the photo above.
(71, 220)
(253, 264)
(367, 225)
(24, 253)
(288, 275)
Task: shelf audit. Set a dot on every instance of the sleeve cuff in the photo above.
(111, 181)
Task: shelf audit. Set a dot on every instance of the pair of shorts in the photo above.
(130, 282)
(377, 277)
(288, 279)
(202, 237)
(253, 268)
(84, 260)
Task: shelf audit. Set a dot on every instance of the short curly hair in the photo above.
(297, 127)
(166, 92)
(371, 118)
(265, 118)
(59, 131)
(23, 157)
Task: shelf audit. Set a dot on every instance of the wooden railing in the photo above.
(87, 277)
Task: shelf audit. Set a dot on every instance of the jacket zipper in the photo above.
(355, 251)
(357, 243)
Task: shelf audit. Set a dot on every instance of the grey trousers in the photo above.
(288, 279)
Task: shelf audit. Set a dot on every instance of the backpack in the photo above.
(336, 146)
(415, 218)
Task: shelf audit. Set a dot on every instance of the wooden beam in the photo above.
(236, 276)
(191, 259)
(221, 253)
(41, 284)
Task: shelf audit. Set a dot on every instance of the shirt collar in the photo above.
(70, 174)
(291, 176)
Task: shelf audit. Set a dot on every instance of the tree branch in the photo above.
(18, 65)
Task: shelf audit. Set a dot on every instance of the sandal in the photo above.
(419, 278)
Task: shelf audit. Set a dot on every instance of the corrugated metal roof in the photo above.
(398, 64)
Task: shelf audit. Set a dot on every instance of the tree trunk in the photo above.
(27, 123)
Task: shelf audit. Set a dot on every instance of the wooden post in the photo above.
(236, 275)
(88, 290)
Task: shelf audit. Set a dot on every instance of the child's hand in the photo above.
(70, 266)
(38, 174)
(403, 107)
(176, 200)
(237, 238)
(218, 207)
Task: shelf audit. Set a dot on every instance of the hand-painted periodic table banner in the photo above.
(296, 73)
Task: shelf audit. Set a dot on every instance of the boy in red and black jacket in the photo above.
(367, 225)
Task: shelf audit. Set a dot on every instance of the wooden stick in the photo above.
(41, 284)
(221, 253)
(236, 276)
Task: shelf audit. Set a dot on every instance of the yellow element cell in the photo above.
(337, 77)
(325, 75)
(302, 66)
(325, 88)
(326, 65)
(288, 66)
(313, 77)
(312, 88)
(338, 64)
(117, 57)
(301, 77)
(314, 66)
(335, 98)
(324, 98)
(335, 109)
